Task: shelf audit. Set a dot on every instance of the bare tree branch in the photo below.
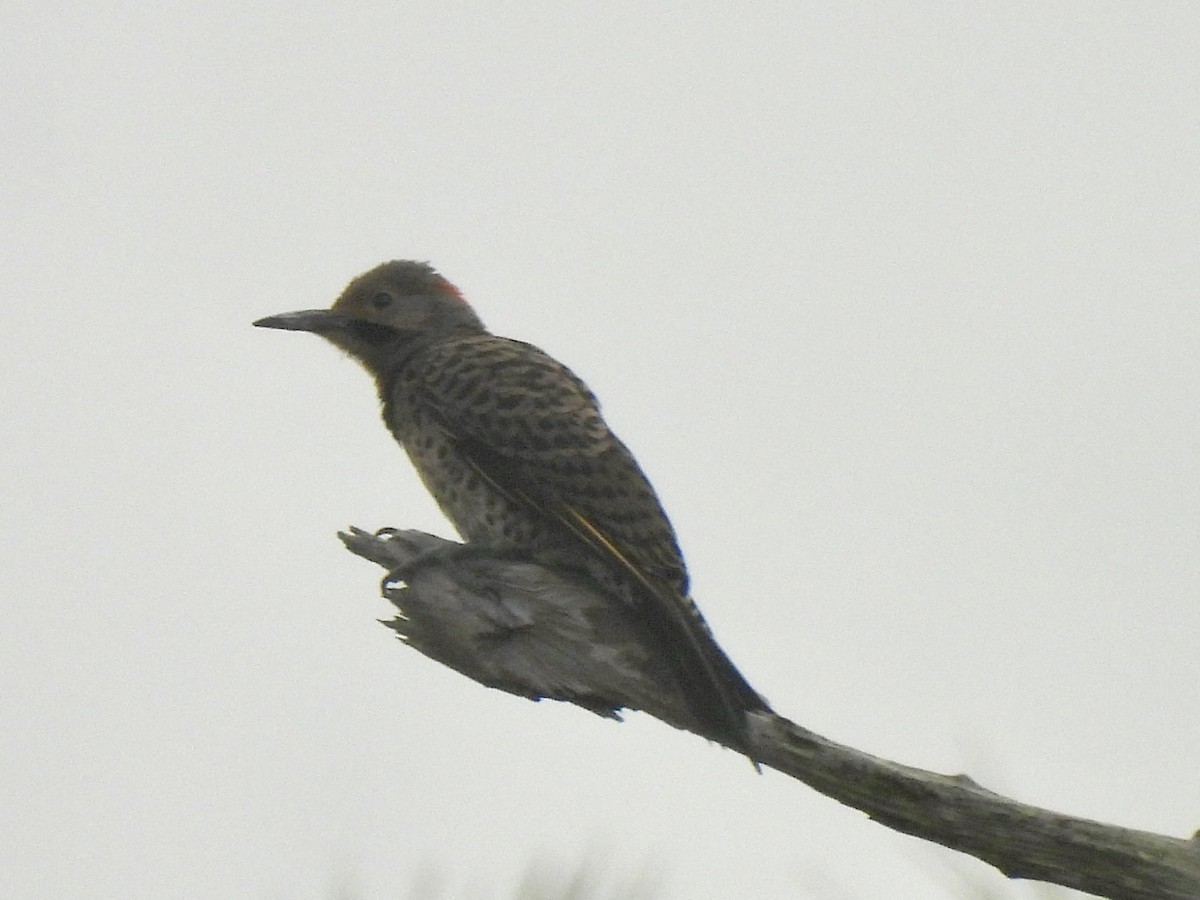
(540, 633)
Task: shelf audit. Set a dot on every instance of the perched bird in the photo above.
(512, 446)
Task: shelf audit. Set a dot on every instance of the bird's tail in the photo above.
(715, 691)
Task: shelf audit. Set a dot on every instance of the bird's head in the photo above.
(384, 313)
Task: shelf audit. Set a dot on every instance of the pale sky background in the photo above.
(898, 304)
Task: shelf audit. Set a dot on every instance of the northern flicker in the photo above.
(512, 446)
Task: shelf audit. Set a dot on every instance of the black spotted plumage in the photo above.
(506, 410)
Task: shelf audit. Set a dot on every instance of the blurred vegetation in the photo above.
(589, 880)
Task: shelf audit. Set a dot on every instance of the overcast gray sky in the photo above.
(898, 304)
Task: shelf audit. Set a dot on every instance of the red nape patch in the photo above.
(450, 290)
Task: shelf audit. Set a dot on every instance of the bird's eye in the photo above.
(382, 300)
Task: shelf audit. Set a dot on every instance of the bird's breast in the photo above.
(479, 511)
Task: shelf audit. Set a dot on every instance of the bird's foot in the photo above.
(448, 554)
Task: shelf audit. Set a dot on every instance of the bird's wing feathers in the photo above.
(532, 428)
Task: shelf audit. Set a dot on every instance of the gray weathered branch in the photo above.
(539, 633)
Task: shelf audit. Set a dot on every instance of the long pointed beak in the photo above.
(318, 321)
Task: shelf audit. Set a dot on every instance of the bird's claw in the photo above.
(405, 571)
(448, 554)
